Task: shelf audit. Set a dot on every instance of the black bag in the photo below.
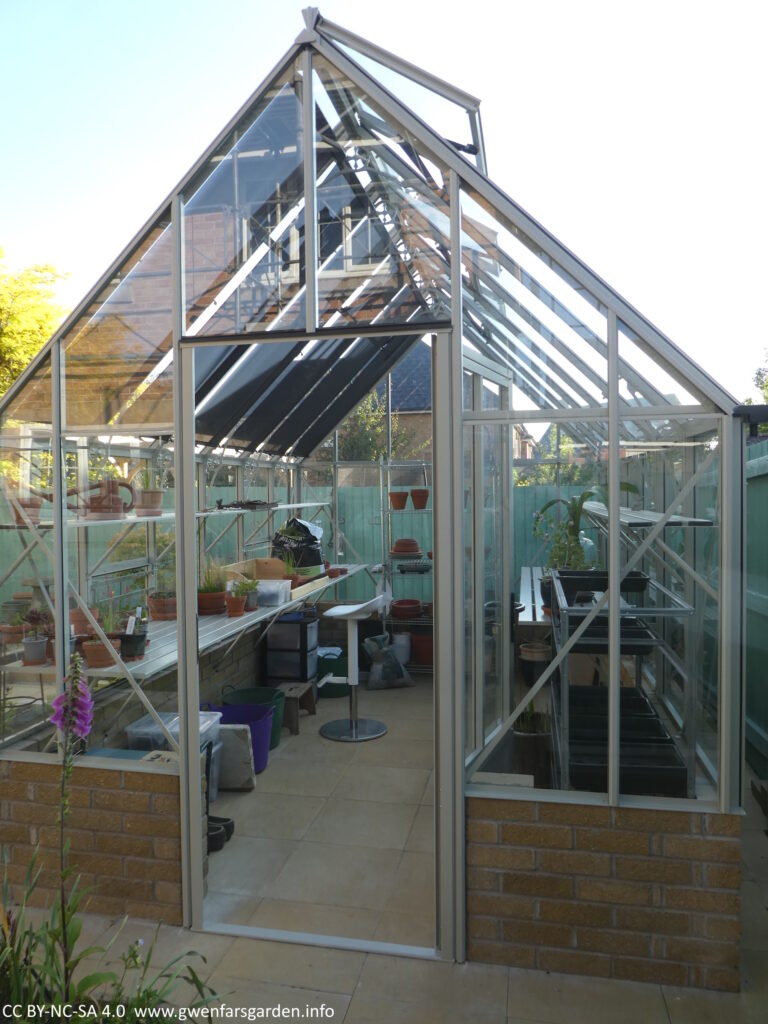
(301, 540)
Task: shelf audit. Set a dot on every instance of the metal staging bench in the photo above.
(213, 631)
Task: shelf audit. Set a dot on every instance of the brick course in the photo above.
(124, 831)
(613, 892)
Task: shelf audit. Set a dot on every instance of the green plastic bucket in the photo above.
(338, 666)
(261, 695)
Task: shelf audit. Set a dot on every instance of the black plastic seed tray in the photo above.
(645, 769)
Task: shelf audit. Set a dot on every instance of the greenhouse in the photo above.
(502, 625)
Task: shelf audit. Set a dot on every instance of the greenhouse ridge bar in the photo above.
(573, 607)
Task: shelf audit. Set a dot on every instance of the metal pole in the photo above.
(186, 623)
(310, 196)
(60, 561)
(614, 564)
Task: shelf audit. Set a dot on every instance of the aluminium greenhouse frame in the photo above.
(321, 38)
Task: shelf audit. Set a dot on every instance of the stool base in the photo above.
(347, 730)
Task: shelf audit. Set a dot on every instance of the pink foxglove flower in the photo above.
(73, 709)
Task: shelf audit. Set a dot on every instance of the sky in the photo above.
(633, 131)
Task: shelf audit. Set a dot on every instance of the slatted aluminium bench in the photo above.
(532, 612)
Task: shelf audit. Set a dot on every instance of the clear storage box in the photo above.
(146, 734)
(273, 592)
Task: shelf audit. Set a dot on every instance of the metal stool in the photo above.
(353, 729)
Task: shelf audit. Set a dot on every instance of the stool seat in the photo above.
(354, 729)
(355, 611)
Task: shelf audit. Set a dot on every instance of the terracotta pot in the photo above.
(78, 619)
(11, 634)
(405, 608)
(397, 500)
(212, 604)
(162, 609)
(235, 605)
(96, 654)
(149, 502)
(419, 497)
(421, 648)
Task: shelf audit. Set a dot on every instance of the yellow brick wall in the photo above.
(610, 892)
(124, 831)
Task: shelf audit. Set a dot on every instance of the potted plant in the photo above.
(296, 578)
(212, 591)
(149, 493)
(532, 746)
(568, 547)
(80, 620)
(35, 640)
(162, 601)
(250, 589)
(237, 598)
(94, 651)
(133, 645)
(13, 631)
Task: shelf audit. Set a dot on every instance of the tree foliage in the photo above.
(363, 434)
(29, 315)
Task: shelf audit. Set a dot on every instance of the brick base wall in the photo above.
(124, 832)
(612, 892)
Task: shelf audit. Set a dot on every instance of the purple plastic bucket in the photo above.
(258, 718)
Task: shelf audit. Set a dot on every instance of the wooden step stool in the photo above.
(297, 695)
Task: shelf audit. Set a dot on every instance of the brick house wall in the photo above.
(614, 892)
(124, 831)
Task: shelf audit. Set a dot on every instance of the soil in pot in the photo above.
(235, 605)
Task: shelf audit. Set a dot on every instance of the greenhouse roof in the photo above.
(292, 327)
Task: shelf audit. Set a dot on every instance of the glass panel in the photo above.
(445, 117)
(27, 612)
(383, 220)
(494, 551)
(670, 623)
(244, 223)
(556, 470)
(642, 380)
(118, 367)
(526, 315)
